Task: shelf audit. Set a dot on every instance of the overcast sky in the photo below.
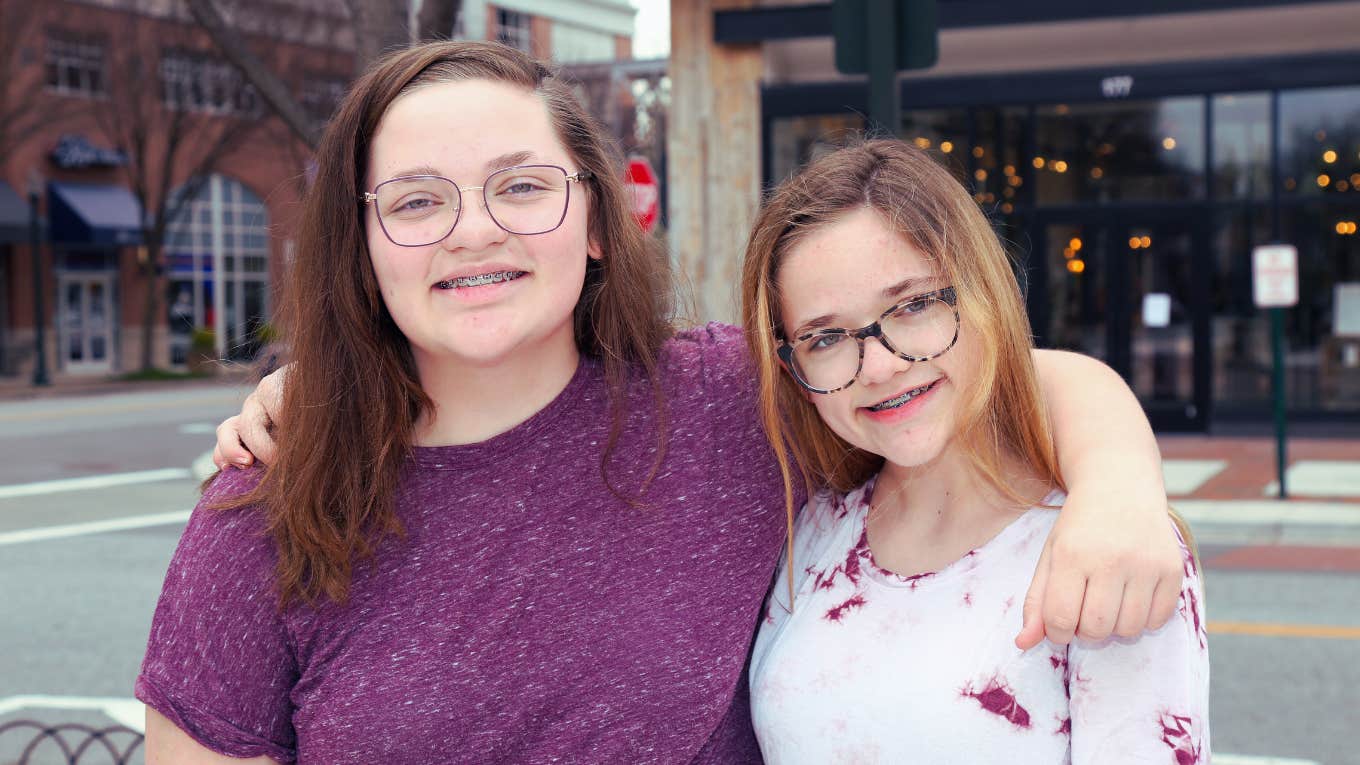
(652, 29)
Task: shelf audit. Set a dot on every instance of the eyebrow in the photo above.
(499, 163)
(921, 284)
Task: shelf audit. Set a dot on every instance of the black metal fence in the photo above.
(76, 744)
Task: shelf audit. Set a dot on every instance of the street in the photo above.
(94, 491)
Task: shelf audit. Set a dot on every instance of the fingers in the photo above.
(1063, 598)
(253, 426)
(1164, 601)
(1100, 607)
(1133, 614)
(229, 451)
(1032, 627)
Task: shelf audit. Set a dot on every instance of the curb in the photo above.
(1272, 522)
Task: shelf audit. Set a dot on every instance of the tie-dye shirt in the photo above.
(872, 667)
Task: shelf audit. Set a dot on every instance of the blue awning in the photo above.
(13, 215)
(91, 214)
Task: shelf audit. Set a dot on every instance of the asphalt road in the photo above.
(76, 598)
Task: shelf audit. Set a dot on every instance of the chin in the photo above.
(914, 451)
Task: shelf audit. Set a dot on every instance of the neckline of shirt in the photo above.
(969, 561)
(461, 456)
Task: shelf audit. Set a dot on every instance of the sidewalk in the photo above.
(22, 389)
(1226, 488)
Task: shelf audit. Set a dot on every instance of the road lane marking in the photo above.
(93, 527)
(198, 428)
(1219, 758)
(129, 713)
(92, 482)
(1268, 629)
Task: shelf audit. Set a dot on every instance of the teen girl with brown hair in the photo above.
(888, 637)
(512, 517)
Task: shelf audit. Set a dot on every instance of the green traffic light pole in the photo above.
(880, 32)
(1277, 352)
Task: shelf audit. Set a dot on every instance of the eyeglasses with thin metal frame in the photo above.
(371, 197)
(785, 350)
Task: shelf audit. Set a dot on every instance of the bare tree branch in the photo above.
(25, 110)
(436, 18)
(170, 133)
(270, 87)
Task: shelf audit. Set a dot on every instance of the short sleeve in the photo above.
(728, 373)
(1145, 699)
(219, 663)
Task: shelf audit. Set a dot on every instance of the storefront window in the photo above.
(1242, 145)
(1122, 150)
(1241, 336)
(798, 140)
(1000, 153)
(1320, 143)
(224, 228)
(944, 134)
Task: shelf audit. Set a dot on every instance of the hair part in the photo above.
(353, 395)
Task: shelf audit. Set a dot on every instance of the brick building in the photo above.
(116, 114)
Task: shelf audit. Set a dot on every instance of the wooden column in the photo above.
(713, 162)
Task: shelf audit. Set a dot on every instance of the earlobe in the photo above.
(593, 250)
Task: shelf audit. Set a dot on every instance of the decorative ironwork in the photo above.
(84, 740)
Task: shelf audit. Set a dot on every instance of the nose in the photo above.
(880, 365)
(476, 229)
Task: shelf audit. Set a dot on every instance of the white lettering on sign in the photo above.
(1117, 87)
(1275, 275)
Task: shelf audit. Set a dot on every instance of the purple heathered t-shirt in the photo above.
(528, 616)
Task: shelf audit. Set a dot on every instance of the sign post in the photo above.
(1275, 283)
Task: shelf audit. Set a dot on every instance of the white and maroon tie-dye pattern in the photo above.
(923, 668)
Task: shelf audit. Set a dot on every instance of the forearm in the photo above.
(1099, 429)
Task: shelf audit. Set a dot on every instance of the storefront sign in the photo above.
(1156, 309)
(74, 151)
(1346, 310)
(1275, 275)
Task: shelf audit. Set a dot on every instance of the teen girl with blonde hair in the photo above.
(896, 370)
(513, 516)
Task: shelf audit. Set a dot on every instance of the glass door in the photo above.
(1135, 293)
(86, 325)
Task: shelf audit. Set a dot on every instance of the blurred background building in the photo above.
(1132, 154)
(160, 182)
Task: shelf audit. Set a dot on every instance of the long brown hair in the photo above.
(1002, 412)
(352, 395)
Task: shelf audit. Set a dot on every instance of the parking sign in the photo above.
(1275, 275)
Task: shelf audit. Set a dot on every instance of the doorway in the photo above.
(85, 316)
(1132, 289)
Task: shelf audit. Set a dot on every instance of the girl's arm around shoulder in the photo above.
(1145, 699)
(1111, 565)
(219, 663)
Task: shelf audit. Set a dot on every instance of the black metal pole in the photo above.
(1278, 391)
(885, 107)
(39, 315)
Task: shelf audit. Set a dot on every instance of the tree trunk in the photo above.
(150, 303)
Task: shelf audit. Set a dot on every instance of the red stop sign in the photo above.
(646, 190)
